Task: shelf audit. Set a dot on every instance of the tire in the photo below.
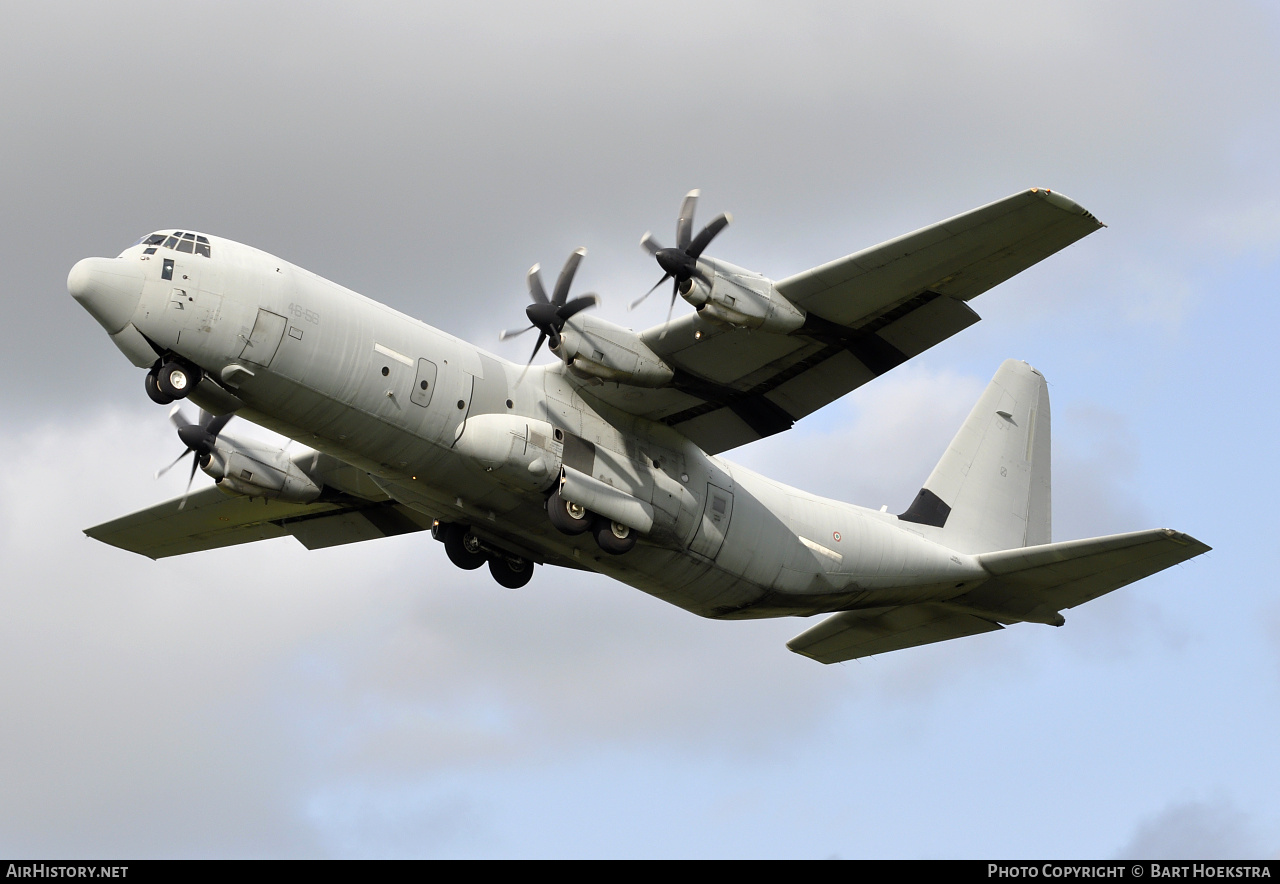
(463, 549)
(176, 380)
(567, 518)
(153, 391)
(511, 573)
(614, 538)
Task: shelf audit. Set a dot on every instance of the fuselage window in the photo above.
(167, 273)
(150, 251)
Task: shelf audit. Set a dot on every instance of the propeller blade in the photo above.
(709, 233)
(566, 276)
(577, 305)
(215, 425)
(177, 418)
(184, 453)
(675, 289)
(183, 503)
(541, 337)
(684, 223)
(636, 302)
(534, 280)
(649, 244)
(514, 333)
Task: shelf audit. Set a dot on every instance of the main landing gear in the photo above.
(170, 380)
(570, 518)
(469, 552)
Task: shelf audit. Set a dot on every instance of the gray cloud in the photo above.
(1196, 830)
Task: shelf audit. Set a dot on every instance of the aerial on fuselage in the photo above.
(606, 459)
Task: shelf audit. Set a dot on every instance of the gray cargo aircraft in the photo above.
(606, 460)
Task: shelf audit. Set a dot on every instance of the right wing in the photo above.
(867, 313)
(213, 519)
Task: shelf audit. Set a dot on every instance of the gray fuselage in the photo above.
(396, 398)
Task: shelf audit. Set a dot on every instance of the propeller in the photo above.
(680, 263)
(199, 440)
(549, 315)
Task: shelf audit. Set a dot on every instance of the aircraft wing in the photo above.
(1033, 584)
(212, 519)
(867, 313)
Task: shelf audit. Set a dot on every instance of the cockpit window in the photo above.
(181, 241)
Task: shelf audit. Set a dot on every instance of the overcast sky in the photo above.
(372, 700)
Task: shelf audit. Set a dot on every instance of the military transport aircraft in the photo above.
(606, 459)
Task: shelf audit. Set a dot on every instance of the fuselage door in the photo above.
(716, 512)
(424, 383)
(264, 340)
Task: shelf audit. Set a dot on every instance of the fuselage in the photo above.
(396, 399)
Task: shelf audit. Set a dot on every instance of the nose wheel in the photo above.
(170, 381)
(153, 389)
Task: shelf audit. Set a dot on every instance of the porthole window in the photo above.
(385, 371)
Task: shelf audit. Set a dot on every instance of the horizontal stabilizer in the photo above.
(1036, 582)
(1030, 584)
(852, 634)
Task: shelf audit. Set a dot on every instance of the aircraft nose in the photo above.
(109, 288)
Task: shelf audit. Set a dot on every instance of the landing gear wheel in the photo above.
(614, 538)
(153, 391)
(176, 380)
(511, 573)
(463, 548)
(567, 518)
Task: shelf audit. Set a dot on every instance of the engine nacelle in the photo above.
(521, 452)
(594, 347)
(252, 471)
(743, 299)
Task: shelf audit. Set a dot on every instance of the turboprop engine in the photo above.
(258, 471)
(239, 467)
(594, 347)
(719, 291)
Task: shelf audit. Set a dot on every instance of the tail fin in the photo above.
(991, 489)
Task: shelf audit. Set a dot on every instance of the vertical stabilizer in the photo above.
(991, 490)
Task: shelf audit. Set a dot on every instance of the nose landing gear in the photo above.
(171, 380)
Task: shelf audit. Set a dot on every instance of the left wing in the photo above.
(213, 519)
(866, 313)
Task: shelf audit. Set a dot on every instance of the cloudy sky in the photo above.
(374, 701)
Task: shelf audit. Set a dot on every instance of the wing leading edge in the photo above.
(212, 519)
(866, 314)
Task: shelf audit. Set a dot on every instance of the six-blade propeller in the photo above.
(199, 439)
(549, 315)
(680, 263)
